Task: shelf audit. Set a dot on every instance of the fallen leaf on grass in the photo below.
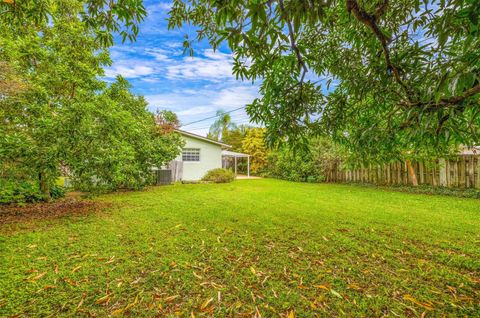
(291, 314)
(322, 287)
(354, 286)
(132, 304)
(335, 293)
(427, 306)
(206, 303)
(111, 260)
(117, 312)
(76, 269)
(34, 279)
(103, 299)
(70, 282)
(81, 301)
(171, 298)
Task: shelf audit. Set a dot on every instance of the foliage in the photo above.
(235, 136)
(219, 175)
(25, 192)
(65, 117)
(254, 145)
(118, 148)
(310, 249)
(103, 17)
(221, 126)
(293, 166)
(305, 165)
(385, 78)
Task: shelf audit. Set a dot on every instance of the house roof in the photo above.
(234, 154)
(189, 134)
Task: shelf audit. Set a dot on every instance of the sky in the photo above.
(194, 88)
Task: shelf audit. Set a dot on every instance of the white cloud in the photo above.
(234, 97)
(160, 55)
(200, 110)
(211, 66)
(129, 71)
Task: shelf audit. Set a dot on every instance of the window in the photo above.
(191, 154)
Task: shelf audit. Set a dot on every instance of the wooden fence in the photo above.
(460, 172)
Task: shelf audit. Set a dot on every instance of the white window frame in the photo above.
(191, 153)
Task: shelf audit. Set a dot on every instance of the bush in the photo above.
(25, 192)
(219, 176)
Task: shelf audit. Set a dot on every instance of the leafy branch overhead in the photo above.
(383, 77)
(105, 17)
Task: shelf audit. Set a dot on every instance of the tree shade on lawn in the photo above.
(253, 246)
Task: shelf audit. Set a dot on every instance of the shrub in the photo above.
(219, 176)
(57, 192)
(25, 192)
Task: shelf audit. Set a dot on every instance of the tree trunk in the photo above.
(411, 173)
(44, 188)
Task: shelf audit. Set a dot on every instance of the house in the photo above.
(199, 155)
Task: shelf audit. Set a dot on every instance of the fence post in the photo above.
(442, 166)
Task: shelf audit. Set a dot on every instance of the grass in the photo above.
(253, 247)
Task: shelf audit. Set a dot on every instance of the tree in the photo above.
(102, 17)
(388, 79)
(116, 141)
(311, 164)
(221, 126)
(64, 115)
(254, 145)
(234, 137)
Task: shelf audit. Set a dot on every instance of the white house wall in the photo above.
(210, 158)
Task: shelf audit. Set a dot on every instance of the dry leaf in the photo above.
(70, 282)
(336, 293)
(117, 312)
(291, 314)
(37, 277)
(427, 306)
(103, 299)
(171, 298)
(206, 303)
(76, 269)
(322, 287)
(132, 304)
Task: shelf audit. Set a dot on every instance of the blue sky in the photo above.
(194, 88)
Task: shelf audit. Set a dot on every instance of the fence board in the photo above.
(463, 172)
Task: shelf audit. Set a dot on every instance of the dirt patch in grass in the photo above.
(48, 211)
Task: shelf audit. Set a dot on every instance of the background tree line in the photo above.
(307, 164)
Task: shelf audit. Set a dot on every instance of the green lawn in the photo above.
(247, 248)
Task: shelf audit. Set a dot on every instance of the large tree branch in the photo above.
(293, 44)
(454, 100)
(370, 20)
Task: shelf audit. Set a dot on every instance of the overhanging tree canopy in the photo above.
(384, 77)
